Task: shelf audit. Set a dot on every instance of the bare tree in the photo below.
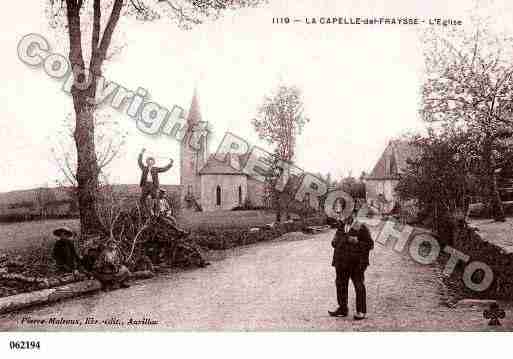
(109, 141)
(469, 84)
(109, 207)
(279, 120)
(82, 19)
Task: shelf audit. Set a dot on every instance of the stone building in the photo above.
(205, 184)
(380, 183)
(209, 184)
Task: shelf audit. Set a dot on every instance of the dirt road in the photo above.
(279, 285)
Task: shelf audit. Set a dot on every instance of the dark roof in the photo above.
(393, 160)
(226, 167)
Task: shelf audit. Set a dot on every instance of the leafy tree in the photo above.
(85, 19)
(469, 85)
(441, 178)
(280, 119)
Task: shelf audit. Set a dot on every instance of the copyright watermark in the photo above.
(150, 117)
(153, 118)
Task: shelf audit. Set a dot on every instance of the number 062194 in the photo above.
(24, 344)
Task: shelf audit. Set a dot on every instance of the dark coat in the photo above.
(348, 254)
(154, 172)
(65, 255)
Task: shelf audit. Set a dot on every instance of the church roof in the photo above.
(194, 114)
(394, 160)
(227, 167)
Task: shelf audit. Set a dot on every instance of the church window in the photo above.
(240, 195)
(218, 195)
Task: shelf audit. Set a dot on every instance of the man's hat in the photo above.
(63, 231)
(342, 207)
(111, 242)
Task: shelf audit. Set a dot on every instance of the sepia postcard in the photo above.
(255, 165)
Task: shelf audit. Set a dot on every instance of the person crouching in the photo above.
(64, 252)
(109, 268)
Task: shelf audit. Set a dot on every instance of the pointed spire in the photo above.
(194, 115)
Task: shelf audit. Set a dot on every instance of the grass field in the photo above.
(29, 234)
(226, 219)
(32, 242)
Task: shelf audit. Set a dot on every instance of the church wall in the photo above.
(229, 191)
(190, 164)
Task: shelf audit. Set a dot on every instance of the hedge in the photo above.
(217, 239)
(468, 241)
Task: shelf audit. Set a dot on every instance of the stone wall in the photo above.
(229, 185)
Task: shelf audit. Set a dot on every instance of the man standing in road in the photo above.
(352, 244)
(150, 183)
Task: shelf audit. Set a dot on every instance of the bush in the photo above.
(252, 208)
(468, 241)
(479, 210)
(248, 206)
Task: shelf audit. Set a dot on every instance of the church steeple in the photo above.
(194, 115)
(191, 159)
(194, 118)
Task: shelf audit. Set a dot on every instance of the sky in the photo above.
(360, 83)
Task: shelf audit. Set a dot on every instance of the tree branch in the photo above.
(107, 34)
(97, 14)
(75, 35)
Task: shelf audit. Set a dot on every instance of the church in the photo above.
(207, 184)
(381, 182)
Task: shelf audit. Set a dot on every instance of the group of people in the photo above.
(153, 200)
(150, 185)
(106, 261)
(352, 244)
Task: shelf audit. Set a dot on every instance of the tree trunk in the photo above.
(495, 203)
(278, 210)
(87, 166)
